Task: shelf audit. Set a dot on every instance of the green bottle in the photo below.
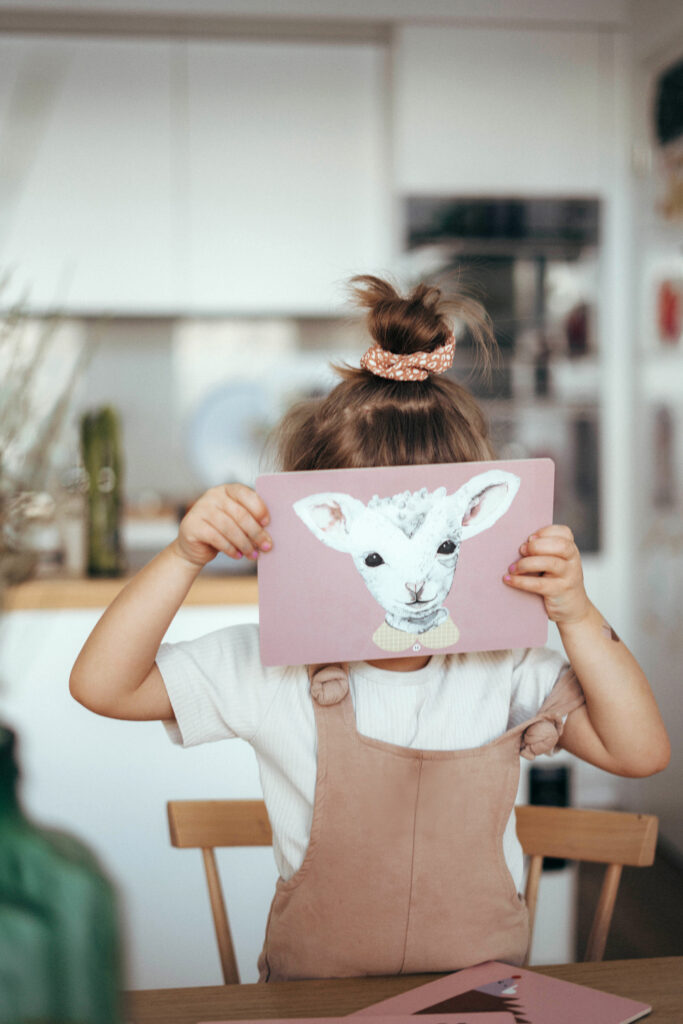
(101, 450)
(59, 951)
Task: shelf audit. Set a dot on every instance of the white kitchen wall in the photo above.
(658, 44)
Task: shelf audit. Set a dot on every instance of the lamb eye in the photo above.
(447, 548)
(373, 559)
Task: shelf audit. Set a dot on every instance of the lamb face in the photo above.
(406, 547)
(408, 556)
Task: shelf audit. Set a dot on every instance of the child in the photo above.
(389, 784)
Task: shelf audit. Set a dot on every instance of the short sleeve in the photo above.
(217, 685)
(534, 674)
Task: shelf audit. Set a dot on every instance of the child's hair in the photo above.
(368, 420)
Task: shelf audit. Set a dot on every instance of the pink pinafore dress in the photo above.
(405, 871)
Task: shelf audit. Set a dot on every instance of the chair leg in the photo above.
(531, 895)
(597, 939)
(220, 919)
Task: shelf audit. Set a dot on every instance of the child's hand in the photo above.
(551, 566)
(228, 518)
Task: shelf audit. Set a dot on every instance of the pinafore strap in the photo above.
(329, 683)
(540, 735)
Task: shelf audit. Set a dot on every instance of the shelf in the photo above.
(47, 594)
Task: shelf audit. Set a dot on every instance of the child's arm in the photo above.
(619, 728)
(115, 674)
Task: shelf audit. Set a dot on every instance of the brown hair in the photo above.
(368, 420)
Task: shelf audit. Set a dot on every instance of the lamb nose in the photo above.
(415, 589)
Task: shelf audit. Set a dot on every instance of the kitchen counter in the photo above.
(49, 593)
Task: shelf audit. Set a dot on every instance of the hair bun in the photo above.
(422, 321)
(418, 323)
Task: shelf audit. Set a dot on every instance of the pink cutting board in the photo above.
(531, 998)
(314, 604)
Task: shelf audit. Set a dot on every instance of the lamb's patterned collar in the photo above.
(390, 639)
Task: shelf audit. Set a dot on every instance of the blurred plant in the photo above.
(31, 423)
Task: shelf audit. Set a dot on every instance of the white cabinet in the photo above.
(287, 183)
(155, 177)
(236, 176)
(86, 182)
(497, 111)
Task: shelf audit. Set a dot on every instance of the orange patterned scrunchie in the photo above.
(416, 366)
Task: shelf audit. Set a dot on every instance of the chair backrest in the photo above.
(613, 838)
(605, 837)
(206, 824)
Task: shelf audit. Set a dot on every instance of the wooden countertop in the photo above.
(49, 593)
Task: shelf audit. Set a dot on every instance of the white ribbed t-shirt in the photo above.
(219, 689)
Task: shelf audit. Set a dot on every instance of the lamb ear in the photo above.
(329, 517)
(484, 499)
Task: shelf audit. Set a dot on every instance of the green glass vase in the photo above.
(102, 459)
(60, 958)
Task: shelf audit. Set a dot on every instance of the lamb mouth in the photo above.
(419, 622)
(421, 615)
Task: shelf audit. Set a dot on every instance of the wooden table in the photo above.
(657, 981)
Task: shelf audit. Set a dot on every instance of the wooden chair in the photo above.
(210, 823)
(606, 837)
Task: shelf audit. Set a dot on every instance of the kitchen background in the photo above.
(182, 198)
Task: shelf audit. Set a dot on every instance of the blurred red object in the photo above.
(669, 303)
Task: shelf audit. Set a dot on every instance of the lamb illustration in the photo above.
(406, 549)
